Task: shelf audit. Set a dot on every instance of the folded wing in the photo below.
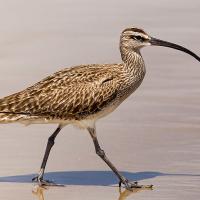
(68, 94)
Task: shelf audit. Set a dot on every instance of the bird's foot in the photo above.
(41, 182)
(130, 186)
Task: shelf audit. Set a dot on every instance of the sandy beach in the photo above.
(153, 137)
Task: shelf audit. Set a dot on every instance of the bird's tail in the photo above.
(7, 113)
(9, 118)
(14, 108)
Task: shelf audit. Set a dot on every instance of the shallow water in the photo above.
(153, 136)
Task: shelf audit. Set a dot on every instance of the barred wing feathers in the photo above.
(72, 93)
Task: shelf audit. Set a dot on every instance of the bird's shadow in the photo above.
(97, 178)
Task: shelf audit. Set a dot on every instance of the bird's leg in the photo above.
(50, 143)
(122, 180)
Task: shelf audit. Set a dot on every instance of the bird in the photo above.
(80, 95)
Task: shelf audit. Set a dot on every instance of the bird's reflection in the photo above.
(39, 192)
(123, 193)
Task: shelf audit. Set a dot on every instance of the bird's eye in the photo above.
(137, 37)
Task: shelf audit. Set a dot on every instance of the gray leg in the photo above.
(101, 153)
(50, 144)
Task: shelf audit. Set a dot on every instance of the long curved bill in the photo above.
(157, 42)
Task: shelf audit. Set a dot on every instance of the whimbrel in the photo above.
(82, 94)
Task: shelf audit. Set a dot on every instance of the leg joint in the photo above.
(100, 152)
(51, 140)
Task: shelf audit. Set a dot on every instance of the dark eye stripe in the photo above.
(137, 37)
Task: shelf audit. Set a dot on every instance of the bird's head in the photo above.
(132, 39)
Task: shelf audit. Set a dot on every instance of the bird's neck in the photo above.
(132, 61)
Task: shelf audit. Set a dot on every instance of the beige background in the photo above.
(154, 135)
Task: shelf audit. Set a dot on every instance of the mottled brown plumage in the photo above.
(70, 94)
(77, 93)
(82, 94)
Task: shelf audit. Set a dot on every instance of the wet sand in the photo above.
(154, 135)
